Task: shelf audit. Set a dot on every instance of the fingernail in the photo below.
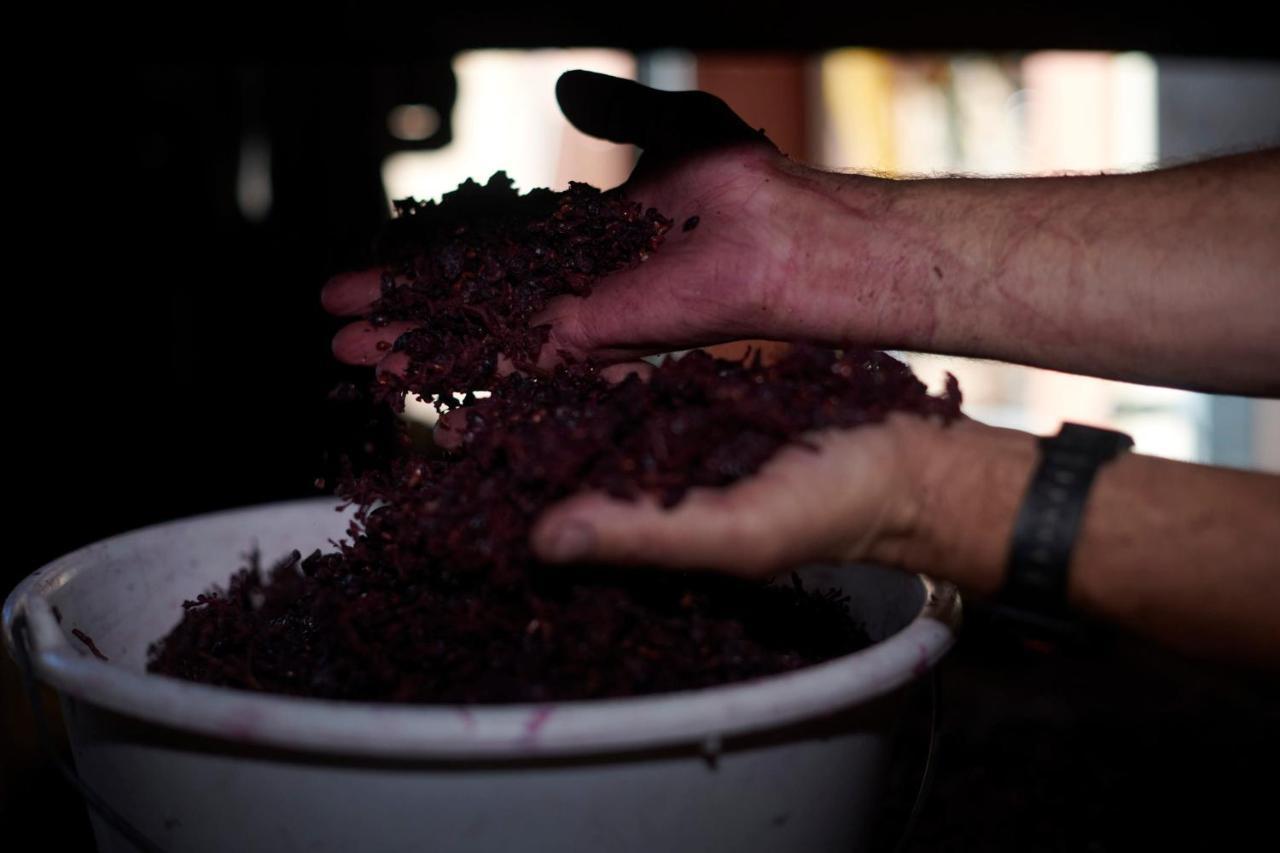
(573, 541)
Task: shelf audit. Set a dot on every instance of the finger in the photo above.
(755, 527)
(363, 343)
(396, 364)
(605, 107)
(668, 122)
(700, 533)
(829, 499)
(351, 294)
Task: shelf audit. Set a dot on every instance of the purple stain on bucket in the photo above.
(534, 724)
(922, 664)
(243, 724)
(468, 719)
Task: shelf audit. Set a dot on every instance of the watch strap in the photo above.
(1048, 522)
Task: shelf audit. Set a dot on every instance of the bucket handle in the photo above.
(930, 763)
(36, 631)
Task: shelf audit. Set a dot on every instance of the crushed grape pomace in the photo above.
(436, 595)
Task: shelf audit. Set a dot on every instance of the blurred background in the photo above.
(905, 114)
(171, 357)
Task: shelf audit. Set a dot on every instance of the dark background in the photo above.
(168, 357)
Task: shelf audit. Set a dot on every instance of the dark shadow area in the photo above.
(170, 356)
(1105, 747)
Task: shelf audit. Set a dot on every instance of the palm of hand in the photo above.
(848, 495)
(713, 280)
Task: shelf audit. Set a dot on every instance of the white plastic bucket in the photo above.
(793, 762)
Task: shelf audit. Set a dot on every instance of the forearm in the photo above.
(1188, 555)
(1168, 277)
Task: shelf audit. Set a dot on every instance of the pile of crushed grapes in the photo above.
(436, 595)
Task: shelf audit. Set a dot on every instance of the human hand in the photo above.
(855, 494)
(719, 281)
(721, 182)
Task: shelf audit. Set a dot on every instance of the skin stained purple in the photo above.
(436, 597)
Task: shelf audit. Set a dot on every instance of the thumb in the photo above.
(702, 532)
(670, 123)
(833, 497)
(767, 522)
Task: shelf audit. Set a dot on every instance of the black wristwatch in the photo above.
(1045, 532)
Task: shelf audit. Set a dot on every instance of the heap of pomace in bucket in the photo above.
(437, 596)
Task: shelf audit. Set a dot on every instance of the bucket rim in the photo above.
(459, 732)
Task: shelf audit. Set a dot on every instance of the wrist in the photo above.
(864, 260)
(967, 482)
